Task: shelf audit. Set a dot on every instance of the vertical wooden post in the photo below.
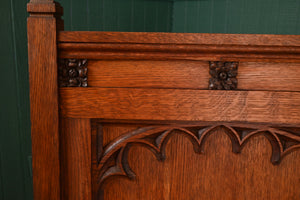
(43, 25)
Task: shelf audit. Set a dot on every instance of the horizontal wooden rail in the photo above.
(178, 46)
(178, 38)
(181, 48)
(121, 55)
(175, 104)
(190, 75)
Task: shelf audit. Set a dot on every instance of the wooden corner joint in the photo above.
(72, 72)
(223, 75)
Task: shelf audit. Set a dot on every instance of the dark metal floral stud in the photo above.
(72, 73)
(223, 75)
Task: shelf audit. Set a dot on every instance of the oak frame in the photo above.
(44, 30)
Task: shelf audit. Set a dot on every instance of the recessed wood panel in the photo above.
(269, 76)
(217, 173)
(190, 75)
(148, 74)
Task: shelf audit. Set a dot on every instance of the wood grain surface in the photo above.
(112, 160)
(175, 104)
(149, 74)
(44, 100)
(181, 38)
(178, 46)
(177, 52)
(269, 76)
(216, 174)
(160, 77)
(75, 139)
(190, 75)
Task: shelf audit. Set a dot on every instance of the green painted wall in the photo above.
(15, 150)
(237, 16)
(221, 16)
(118, 15)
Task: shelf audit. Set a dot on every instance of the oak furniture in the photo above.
(162, 115)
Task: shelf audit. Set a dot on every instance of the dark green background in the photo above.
(205, 16)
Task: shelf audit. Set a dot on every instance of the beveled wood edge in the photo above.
(97, 121)
(40, 7)
(178, 38)
(178, 56)
(179, 46)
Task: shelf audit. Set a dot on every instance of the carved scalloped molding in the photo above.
(113, 159)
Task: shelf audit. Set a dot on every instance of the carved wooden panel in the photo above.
(139, 80)
(112, 160)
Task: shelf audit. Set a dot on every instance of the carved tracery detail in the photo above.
(113, 159)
